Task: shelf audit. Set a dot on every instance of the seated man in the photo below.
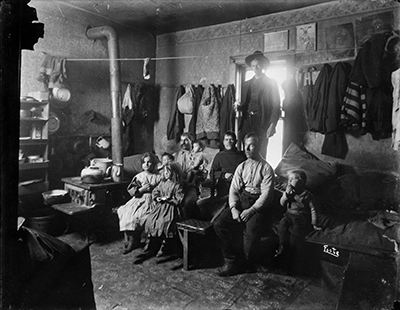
(251, 194)
(225, 163)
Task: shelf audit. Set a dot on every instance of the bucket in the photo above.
(44, 220)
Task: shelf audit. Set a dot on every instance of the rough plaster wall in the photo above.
(216, 44)
(89, 81)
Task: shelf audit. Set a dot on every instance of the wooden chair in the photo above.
(210, 208)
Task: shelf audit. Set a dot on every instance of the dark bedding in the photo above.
(357, 233)
(353, 209)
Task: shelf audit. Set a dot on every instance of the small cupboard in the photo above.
(33, 146)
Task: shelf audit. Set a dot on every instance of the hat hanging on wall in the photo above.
(256, 55)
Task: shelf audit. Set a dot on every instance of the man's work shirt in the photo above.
(255, 177)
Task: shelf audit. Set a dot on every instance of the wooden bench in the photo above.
(210, 209)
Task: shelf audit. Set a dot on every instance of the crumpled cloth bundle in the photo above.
(53, 71)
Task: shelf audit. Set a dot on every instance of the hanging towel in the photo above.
(127, 108)
(127, 102)
(146, 70)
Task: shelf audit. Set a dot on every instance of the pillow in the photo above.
(132, 165)
(317, 171)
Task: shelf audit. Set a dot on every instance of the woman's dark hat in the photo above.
(256, 55)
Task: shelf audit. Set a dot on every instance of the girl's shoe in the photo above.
(131, 243)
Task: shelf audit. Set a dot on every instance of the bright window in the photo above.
(276, 71)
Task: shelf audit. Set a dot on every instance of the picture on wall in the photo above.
(369, 25)
(276, 41)
(306, 37)
(340, 40)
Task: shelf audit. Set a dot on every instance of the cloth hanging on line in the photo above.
(207, 125)
(354, 108)
(306, 85)
(176, 121)
(396, 110)
(198, 94)
(227, 113)
(319, 100)
(127, 101)
(371, 75)
(146, 70)
(335, 143)
(186, 101)
(53, 71)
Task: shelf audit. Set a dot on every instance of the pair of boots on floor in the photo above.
(155, 246)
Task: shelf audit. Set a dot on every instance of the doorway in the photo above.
(277, 71)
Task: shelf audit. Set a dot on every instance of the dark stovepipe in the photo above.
(116, 121)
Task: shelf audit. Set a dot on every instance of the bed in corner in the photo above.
(359, 215)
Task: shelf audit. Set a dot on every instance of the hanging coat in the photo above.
(227, 113)
(335, 143)
(207, 125)
(305, 86)
(372, 69)
(198, 94)
(320, 100)
(176, 120)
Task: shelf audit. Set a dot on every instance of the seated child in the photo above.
(160, 224)
(197, 164)
(300, 216)
(165, 158)
(133, 214)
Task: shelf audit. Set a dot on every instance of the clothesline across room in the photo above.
(191, 56)
(138, 59)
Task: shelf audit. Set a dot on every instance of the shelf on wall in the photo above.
(30, 141)
(34, 119)
(32, 166)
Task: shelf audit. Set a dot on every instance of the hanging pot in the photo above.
(60, 97)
